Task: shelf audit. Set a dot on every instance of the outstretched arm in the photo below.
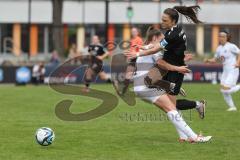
(156, 48)
(211, 60)
(166, 66)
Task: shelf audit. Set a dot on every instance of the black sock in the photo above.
(87, 83)
(184, 104)
(108, 80)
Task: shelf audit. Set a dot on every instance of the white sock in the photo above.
(181, 134)
(180, 124)
(198, 104)
(228, 99)
(232, 89)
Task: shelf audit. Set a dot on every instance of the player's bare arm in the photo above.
(211, 60)
(156, 48)
(166, 66)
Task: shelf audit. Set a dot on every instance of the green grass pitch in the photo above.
(114, 136)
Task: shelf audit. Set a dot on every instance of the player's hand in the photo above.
(100, 57)
(188, 57)
(130, 54)
(150, 46)
(183, 69)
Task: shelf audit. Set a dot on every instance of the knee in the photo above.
(148, 82)
(224, 89)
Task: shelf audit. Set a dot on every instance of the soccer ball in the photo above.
(44, 136)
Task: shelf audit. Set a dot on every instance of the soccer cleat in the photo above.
(201, 109)
(232, 109)
(201, 139)
(182, 92)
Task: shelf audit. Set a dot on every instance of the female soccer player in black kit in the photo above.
(174, 45)
(97, 54)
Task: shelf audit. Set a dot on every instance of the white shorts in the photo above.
(230, 77)
(149, 94)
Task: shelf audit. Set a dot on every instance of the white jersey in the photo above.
(143, 65)
(228, 55)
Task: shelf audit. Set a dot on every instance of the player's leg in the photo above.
(184, 131)
(93, 70)
(103, 76)
(154, 79)
(232, 81)
(228, 99)
(162, 101)
(182, 137)
(229, 79)
(233, 89)
(88, 79)
(184, 104)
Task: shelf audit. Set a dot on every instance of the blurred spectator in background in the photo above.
(74, 56)
(55, 60)
(38, 73)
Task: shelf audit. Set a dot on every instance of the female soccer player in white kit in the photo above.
(228, 53)
(159, 97)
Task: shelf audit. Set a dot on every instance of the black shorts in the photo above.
(132, 62)
(96, 65)
(176, 78)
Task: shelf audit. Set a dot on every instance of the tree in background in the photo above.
(57, 36)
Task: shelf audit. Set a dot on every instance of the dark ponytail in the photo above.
(189, 12)
(152, 31)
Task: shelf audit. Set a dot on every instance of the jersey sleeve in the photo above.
(235, 49)
(156, 56)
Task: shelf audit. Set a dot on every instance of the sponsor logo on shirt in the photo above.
(163, 43)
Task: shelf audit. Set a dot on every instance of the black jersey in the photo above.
(175, 45)
(96, 50)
